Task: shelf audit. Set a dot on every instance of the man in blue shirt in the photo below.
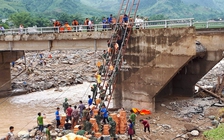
(104, 21)
(110, 19)
(90, 101)
(104, 112)
(57, 115)
(125, 19)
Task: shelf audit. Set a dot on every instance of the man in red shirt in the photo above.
(69, 113)
(146, 124)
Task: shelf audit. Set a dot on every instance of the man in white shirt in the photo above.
(2, 29)
(10, 135)
(138, 22)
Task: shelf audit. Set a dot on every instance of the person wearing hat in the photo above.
(112, 129)
(94, 91)
(65, 105)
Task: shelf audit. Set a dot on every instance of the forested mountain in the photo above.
(198, 9)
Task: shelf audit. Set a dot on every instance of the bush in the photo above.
(215, 134)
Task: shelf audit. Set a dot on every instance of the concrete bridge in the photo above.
(161, 62)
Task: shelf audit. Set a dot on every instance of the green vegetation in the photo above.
(28, 20)
(215, 134)
(40, 12)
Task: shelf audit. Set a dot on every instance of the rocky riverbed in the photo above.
(176, 118)
(54, 69)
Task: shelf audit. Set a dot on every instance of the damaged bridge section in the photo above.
(165, 62)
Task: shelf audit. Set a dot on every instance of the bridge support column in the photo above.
(133, 93)
(5, 58)
(5, 77)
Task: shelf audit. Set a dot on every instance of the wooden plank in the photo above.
(211, 93)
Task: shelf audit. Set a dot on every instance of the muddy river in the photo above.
(21, 111)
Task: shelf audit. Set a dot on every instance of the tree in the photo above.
(5, 25)
(157, 17)
(22, 18)
(42, 22)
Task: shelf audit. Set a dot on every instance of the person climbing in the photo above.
(112, 125)
(13, 63)
(110, 47)
(125, 19)
(102, 93)
(145, 124)
(132, 117)
(65, 105)
(40, 122)
(98, 79)
(130, 129)
(104, 113)
(10, 135)
(100, 68)
(69, 113)
(57, 115)
(94, 91)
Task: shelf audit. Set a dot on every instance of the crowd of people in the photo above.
(101, 91)
(88, 25)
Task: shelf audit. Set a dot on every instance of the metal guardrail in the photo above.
(171, 23)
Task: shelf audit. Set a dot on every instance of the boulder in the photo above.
(212, 117)
(190, 127)
(195, 133)
(33, 133)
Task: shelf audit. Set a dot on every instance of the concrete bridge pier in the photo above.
(6, 57)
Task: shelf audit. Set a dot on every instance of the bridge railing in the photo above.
(41, 30)
(171, 23)
(167, 23)
(209, 24)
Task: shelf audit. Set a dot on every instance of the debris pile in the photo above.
(46, 70)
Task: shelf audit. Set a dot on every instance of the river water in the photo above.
(21, 111)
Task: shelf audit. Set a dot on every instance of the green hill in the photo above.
(198, 9)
